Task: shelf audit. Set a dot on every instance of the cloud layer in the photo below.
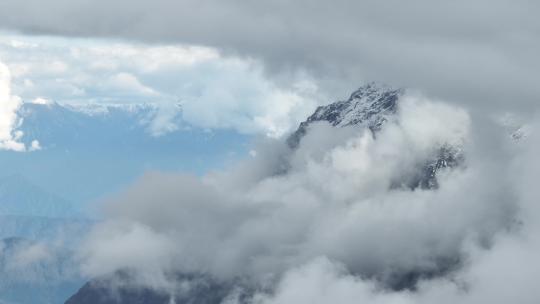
(504, 272)
(326, 222)
(481, 53)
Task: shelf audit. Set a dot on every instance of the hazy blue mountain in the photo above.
(37, 230)
(33, 272)
(43, 228)
(89, 151)
(36, 260)
(19, 196)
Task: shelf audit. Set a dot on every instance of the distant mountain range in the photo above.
(34, 272)
(43, 228)
(76, 125)
(19, 196)
(37, 230)
(91, 150)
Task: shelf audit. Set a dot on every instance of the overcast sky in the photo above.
(481, 52)
(215, 91)
(263, 66)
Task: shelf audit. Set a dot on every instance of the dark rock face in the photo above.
(118, 289)
(95, 293)
(447, 157)
(408, 280)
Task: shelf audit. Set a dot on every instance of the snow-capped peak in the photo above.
(370, 105)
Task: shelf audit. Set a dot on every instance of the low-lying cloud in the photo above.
(330, 221)
(503, 272)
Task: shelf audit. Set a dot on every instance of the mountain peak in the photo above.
(373, 88)
(370, 106)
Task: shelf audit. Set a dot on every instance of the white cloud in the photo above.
(322, 281)
(128, 83)
(40, 101)
(37, 264)
(35, 146)
(215, 91)
(9, 104)
(32, 254)
(236, 94)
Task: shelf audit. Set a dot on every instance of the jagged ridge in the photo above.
(371, 106)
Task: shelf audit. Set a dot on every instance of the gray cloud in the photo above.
(215, 92)
(480, 52)
(504, 273)
(9, 119)
(324, 222)
(8, 112)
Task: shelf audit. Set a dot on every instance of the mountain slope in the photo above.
(89, 151)
(371, 106)
(55, 124)
(34, 272)
(19, 196)
(43, 228)
(192, 289)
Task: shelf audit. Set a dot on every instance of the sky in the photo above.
(323, 222)
(476, 52)
(479, 54)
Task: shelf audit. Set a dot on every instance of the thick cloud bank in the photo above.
(482, 52)
(331, 222)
